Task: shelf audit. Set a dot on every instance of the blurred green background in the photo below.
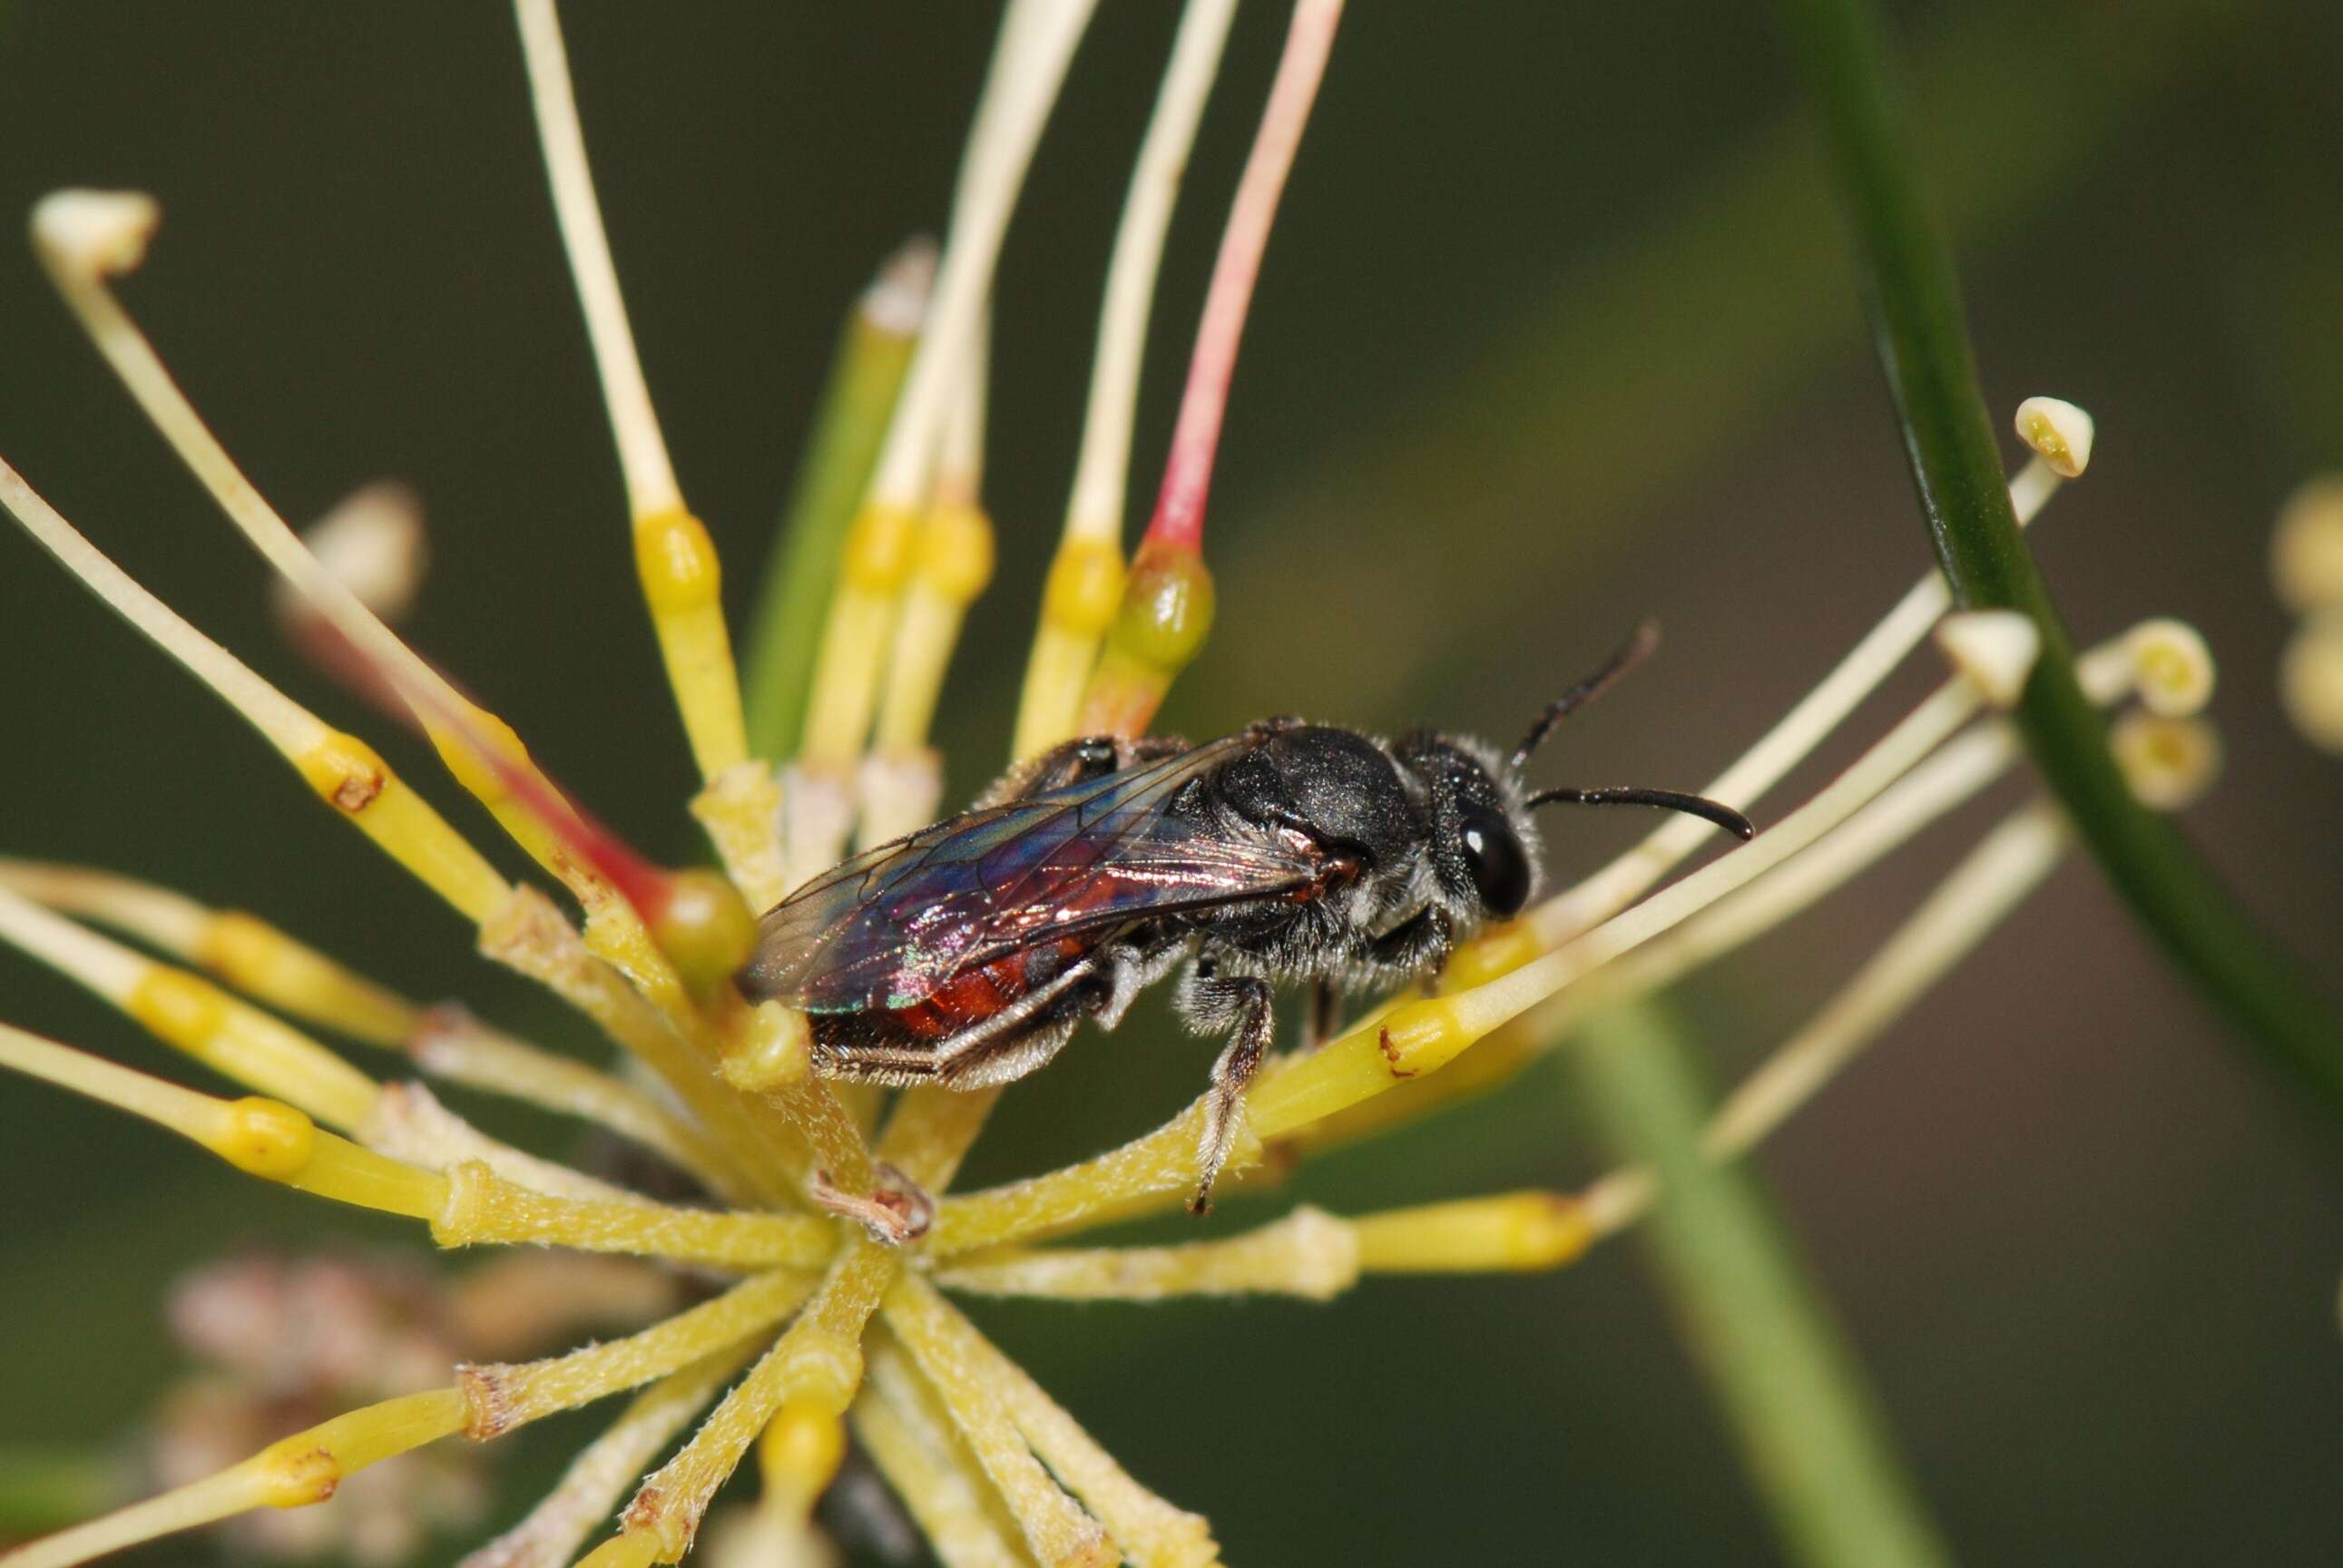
(1556, 332)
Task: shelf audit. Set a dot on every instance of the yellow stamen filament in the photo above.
(481, 1206)
(1086, 578)
(343, 770)
(674, 557)
(1965, 765)
(530, 935)
(194, 1016)
(502, 1397)
(1513, 1231)
(461, 730)
(1309, 1253)
(683, 585)
(1151, 1532)
(952, 563)
(307, 1467)
(156, 916)
(263, 961)
(907, 1435)
(817, 1363)
(741, 810)
(262, 1138)
(1143, 1174)
(1781, 748)
(590, 1488)
(643, 451)
(409, 1123)
(1037, 43)
(1057, 1531)
(452, 1045)
(1992, 881)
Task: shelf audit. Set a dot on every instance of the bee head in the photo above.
(1484, 848)
(1484, 845)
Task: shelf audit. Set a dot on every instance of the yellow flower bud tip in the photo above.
(2310, 682)
(2172, 668)
(704, 925)
(878, 554)
(1996, 648)
(373, 543)
(2306, 549)
(2059, 433)
(955, 550)
(94, 234)
(2170, 763)
(346, 773)
(1167, 609)
(264, 1137)
(677, 562)
(1085, 588)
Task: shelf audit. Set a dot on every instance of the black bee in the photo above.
(965, 953)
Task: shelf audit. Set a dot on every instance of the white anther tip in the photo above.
(2310, 682)
(2307, 551)
(94, 234)
(2059, 433)
(2170, 763)
(1994, 647)
(2171, 667)
(373, 543)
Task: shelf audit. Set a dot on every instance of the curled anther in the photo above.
(895, 1212)
(94, 234)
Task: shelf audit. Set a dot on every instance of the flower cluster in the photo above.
(801, 1292)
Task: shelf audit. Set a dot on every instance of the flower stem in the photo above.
(1912, 300)
(1817, 1451)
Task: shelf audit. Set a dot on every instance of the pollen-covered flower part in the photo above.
(786, 1295)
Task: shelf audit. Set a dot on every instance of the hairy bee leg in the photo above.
(1249, 1002)
(1322, 1017)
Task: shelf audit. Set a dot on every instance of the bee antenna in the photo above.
(1700, 806)
(1630, 653)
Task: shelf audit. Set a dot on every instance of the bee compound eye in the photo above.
(1501, 870)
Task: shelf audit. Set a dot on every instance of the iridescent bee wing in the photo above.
(888, 928)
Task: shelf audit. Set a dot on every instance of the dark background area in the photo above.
(1556, 332)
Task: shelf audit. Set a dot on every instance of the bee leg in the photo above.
(894, 1211)
(1419, 948)
(1210, 1001)
(1321, 1018)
